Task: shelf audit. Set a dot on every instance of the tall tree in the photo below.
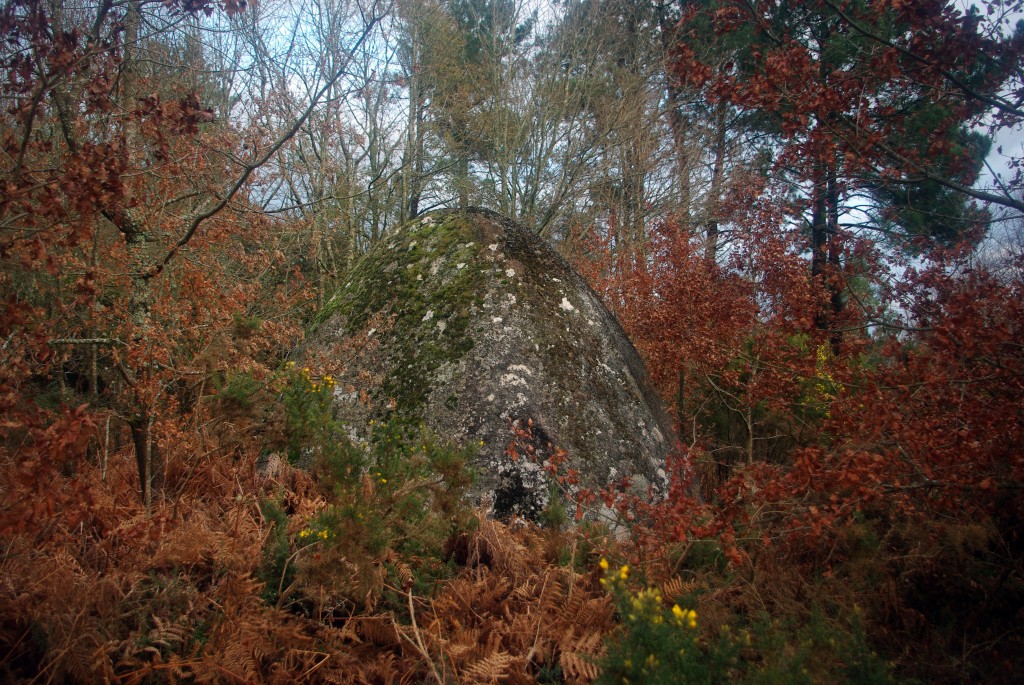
(430, 63)
(870, 101)
(488, 34)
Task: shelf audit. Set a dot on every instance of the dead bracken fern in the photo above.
(491, 669)
(377, 630)
(173, 596)
(515, 609)
(676, 589)
(578, 668)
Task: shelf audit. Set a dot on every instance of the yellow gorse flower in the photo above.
(614, 578)
(309, 532)
(684, 617)
(646, 606)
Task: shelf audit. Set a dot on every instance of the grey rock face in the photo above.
(467, 322)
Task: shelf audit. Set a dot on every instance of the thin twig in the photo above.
(419, 641)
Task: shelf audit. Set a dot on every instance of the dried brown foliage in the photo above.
(172, 597)
(513, 613)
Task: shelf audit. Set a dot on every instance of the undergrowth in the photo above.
(365, 565)
(333, 597)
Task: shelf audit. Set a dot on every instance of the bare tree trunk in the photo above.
(462, 180)
(714, 202)
(749, 418)
(835, 285)
(677, 121)
(681, 400)
(147, 458)
(819, 234)
(141, 294)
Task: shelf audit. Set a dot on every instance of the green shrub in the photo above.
(239, 390)
(309, 425)
(391, 504)
(658, 643)
(390, 510)
(815, 650)
(273, 569)
(555, 515)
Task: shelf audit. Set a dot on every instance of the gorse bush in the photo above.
(240, 390)
(307, 400)
(661, 637)
(388, 506)
(274, 570)
(658, 642)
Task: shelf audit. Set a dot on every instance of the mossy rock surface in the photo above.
(466, 322)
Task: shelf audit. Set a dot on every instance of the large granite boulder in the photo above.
(470, 324)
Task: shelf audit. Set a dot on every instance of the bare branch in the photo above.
(249, 168)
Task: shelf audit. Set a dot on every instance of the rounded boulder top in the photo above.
(474, 326)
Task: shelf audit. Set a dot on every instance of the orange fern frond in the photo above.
(488, 670)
